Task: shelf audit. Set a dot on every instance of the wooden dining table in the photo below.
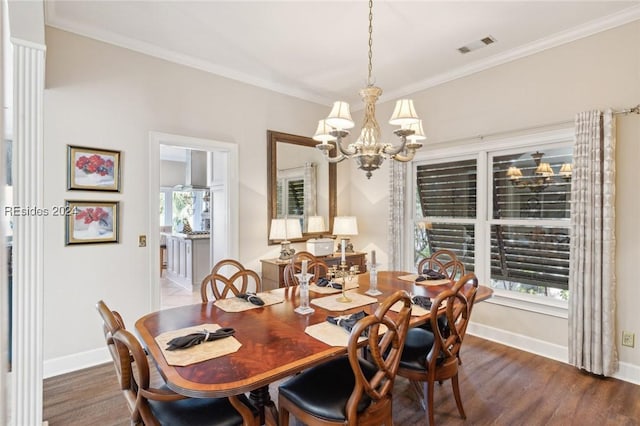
(274, 342)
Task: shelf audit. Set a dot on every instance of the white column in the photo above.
(29, 69)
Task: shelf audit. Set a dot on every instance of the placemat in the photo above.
(412, 278)
(331, 303)
(416, 311)
(331, 334)
(197, 353)
(330, 290)
(236, 304)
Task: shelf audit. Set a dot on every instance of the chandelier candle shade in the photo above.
(542, 175)
(368, 150)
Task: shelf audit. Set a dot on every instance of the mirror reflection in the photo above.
(301, 182)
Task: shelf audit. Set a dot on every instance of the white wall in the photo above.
(172, 173)
(593, 73)
(105, 96)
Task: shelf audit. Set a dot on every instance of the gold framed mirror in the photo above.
(301, 183)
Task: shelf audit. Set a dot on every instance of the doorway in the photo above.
(222, 186)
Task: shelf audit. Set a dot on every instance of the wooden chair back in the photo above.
(222, 287)
(442, 360)
(303, 255)
(316, 267)
(385, 350)
(444, 261)
(112, 322)
(225, 267)
(139, 388)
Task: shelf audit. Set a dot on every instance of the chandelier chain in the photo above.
(369, 81)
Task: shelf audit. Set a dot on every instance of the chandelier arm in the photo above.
(343, 151)
(391, 151)
(335, 159)
(404, 158)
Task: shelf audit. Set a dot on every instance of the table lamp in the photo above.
(343, 227)
(320, 246)
(282, 230)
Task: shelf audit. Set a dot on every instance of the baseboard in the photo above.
(626, 371)
(66, 364)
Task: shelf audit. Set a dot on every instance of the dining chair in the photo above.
(315, 267)
(444, 261)
(303, 255)
(112, 322)
(222, 287)
(225, 267)
(161, 406)
(352, 390)
(431, 356)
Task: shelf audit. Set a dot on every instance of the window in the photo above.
(176, 207)
(504, 209)
(446, 205)
(530, 226)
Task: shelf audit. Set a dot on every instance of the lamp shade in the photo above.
(323, 132)
(345, 225)
(284, 229)
(566, 170)
(316, 224)
(544, 169)
(340, 116)
(419, 132)
(514, 172)
(404, 113)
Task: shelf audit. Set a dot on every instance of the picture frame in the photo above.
(91, 222)
(92, 169)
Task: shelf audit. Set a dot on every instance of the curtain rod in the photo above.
(631, 110)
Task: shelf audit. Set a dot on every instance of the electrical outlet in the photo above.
(628, 339)
(142, 240)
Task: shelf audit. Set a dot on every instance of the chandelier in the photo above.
(368, 151)
(543, 174)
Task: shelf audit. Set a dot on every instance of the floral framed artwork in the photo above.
(90, 222)
(93, 169)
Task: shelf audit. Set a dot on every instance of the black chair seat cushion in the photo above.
(416, 347)
(199, 412)
(323, 390)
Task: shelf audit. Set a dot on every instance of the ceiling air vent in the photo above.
(475, 45)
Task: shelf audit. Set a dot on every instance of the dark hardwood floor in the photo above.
(499, 386)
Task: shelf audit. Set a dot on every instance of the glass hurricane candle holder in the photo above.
(304, 308)
(373, 281)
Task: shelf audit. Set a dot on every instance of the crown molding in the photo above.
(112, 38)
(590, 28)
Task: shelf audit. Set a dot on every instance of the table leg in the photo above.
(261, 399)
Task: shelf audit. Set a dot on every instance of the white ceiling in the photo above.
(317, 50)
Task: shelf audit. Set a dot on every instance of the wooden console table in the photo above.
(273, 269)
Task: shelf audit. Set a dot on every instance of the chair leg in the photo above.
(456, 394)
(419, 393)
(428, 396)
(283, 417)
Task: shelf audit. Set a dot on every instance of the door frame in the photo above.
(230, 183)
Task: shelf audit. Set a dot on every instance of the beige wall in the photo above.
(593, 73)
(105, 96)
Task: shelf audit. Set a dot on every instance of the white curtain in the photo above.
(397, 176)
(310, 191)
(592, 282)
